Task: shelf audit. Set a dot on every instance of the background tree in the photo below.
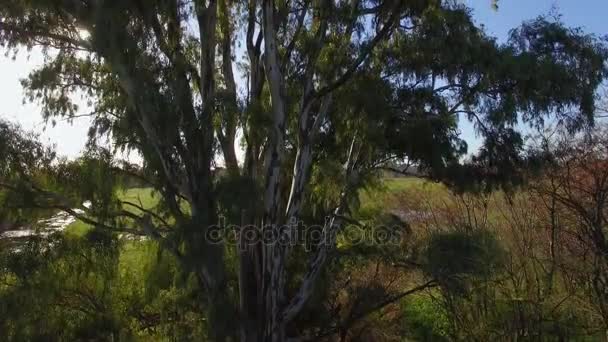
(328, 92)
(576, 185)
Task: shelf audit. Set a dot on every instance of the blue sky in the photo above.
(70, 138)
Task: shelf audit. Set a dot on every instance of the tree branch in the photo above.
(366, 51)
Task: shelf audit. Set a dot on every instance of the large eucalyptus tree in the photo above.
(309, 92)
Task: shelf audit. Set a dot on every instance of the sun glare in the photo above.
(83, 34)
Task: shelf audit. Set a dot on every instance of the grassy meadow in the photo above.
(143, 197)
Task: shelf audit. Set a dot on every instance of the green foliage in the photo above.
(234, 198)
(424, 319)
(57, 293)
(23, 157)
(94, 287)
(454, 258)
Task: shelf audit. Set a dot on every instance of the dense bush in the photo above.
(90, 288)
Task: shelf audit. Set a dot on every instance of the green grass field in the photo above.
(388, 193)
(372, 198)
(376, 197)
(143, 197)
(136, 256)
